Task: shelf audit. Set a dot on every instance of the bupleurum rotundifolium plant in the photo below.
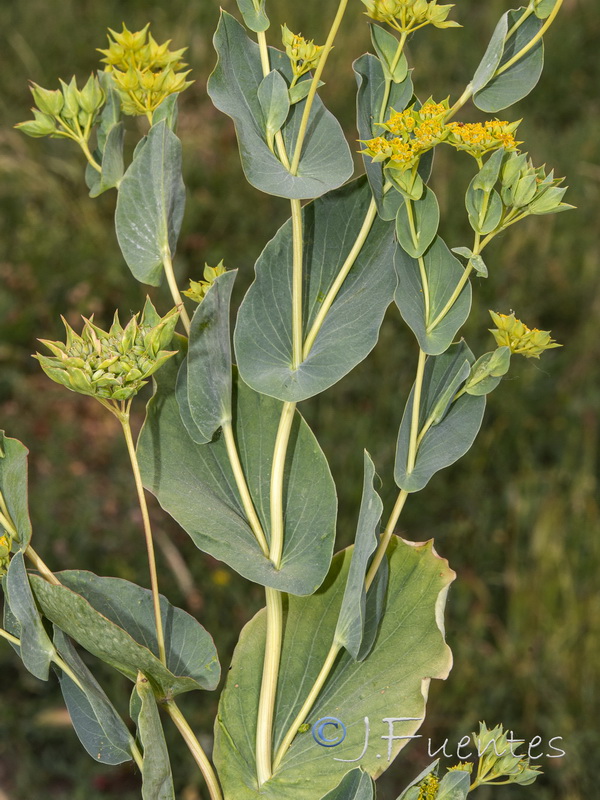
(343, 638)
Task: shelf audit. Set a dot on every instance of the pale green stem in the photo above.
(137, 756)
(315, 85)
(464, 98)
(81, 140)
(478, 247)
(389, 81)
(195, 749)
(268, 688)
(341, 277)
(240, 480)
(9, 637)
(414, 424)
(425, 284)
(44, 571)
(8, 526)
(160, 638)
(297, 256)
(55, 657)
(525, 15)
(532, 42)
(277, 477)
(268, 692)
(308, 703)
(177, 299)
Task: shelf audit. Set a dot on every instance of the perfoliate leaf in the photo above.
(255, 19)
(455, 422)
(157, 778)
(443, 273)
(114, 620)
(392, 680)
(150, 205)
(196, 485)
(97, 724)
(417, 223)
(325, 162)
(263, 340)
(13, 485)
(36, 649)
(518, 80)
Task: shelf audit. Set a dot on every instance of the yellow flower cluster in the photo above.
(511, 332)
(409, 15)
(5, 546)
(479, 138)
(144, 72)
(415, 132)
(304, 55)
(428, 787)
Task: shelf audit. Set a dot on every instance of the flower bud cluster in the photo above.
(113, 364)
(304, 55)
(67, 111)
(409, 15)
(529, 189)
(497, 759)
(514, 334)
(144, 72)
(198, 289)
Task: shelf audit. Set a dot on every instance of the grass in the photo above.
(518, 518)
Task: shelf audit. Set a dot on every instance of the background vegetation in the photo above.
(518, 518)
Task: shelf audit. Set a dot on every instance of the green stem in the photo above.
(277, 477)
(90, 158)
(263, 47)
(478, 247)
(464, 98)
(297, 257)
(195, 749)
(268, 688)
(341, 277)
(148, 535)
(44, 571)
(525, 15)
(414, 424)
(532, 42)
(240, 480)
(177, 299)
(315, 85)
(308, 703)
(389, 81)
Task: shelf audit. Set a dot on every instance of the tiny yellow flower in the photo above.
(462, 766)
(5, 545)
(409, 15)
(511, 332)
(428, 787)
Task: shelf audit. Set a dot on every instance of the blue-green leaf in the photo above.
(455, 422)
(443, 273)
(150, 204)
(455, 785)
(275, 104)
(157, 778)
(263, 339)
(356, 785)
(255, 18)
(386, 46)
(425, 220)
(350, 628)
(13, 485)
(204, 381)
(519, 79)
(36, 649)
(195, 484)
(114, 620)
(325, 162)
(97, 724)
(491, 58)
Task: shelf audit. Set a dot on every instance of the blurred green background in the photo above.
(518, 517)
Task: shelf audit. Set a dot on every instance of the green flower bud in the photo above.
(42, 125)
(48, 101)
(5, 548)
(72, 99)
(198, 289)
(524, 190)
